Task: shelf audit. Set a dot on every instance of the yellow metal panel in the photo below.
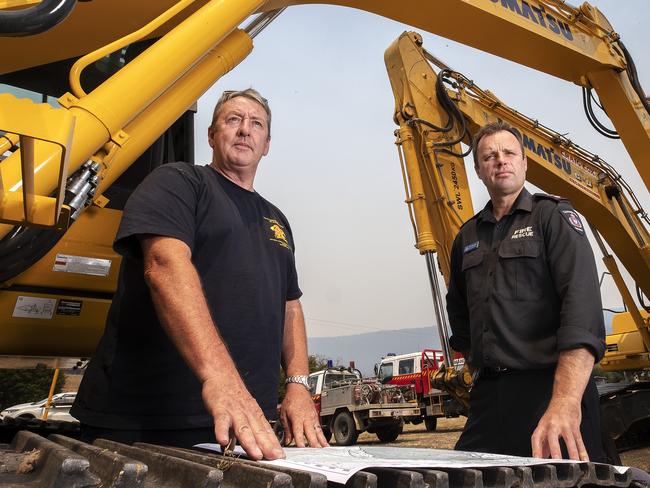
(12, 4)
(42, 212)
(622, 323)
(96, 23)
(53, 129)
(92, 236)
(61, 335)
(625, 347)
(36, 120)
(64, 335)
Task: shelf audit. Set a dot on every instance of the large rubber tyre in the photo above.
(389, 433)
(431, 423)
(344, 429)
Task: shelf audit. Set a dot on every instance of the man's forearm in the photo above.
(572, 374)
(294, 343)
(297, 412)
(182, 309)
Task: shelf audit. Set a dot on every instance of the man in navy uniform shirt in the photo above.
(525, 310)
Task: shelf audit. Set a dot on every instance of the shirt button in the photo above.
(487, 358)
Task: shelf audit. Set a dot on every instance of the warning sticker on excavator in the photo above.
(69, 307)
(82, 265)
(34, 307)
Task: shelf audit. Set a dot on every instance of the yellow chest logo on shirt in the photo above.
(279, 235)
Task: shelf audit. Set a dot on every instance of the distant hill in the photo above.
(367, 349)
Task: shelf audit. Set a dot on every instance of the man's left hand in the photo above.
(560, 421)
(300, 419)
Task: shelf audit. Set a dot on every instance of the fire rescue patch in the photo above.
(574, 221)
(277, 230)
(471, 247)
(523, 232)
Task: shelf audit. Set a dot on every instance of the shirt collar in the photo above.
(523, 202)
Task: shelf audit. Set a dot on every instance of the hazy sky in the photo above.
(333, 167)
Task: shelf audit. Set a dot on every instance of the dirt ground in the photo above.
(449, 430)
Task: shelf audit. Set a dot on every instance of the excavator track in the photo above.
(65, 462)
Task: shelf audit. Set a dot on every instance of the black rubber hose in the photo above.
(591, 117)
(639, 295)
(23, 247)
(634, 77)
(34, 20)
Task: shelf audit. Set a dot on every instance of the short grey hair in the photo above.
(249, 93)
(493, 128)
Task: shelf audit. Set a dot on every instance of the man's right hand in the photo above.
(237, 414)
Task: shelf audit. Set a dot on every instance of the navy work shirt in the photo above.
(524, 288)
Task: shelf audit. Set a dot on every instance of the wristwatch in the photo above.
(301, 379)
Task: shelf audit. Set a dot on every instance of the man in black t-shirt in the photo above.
(524, 308)
(207, 306)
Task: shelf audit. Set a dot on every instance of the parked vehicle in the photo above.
(417, 369)
(59, 409)
(349, 404)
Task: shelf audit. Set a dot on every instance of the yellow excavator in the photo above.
(116, 83)
(436, 112)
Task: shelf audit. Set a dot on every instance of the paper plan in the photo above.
(340, 463)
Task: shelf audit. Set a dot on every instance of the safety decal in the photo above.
(574, 221)
(69, 307)
(471, 247)
(34, 307)
(82, 265)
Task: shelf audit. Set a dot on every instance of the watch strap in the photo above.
(301, 379)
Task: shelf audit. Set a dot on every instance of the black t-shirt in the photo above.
(242, 248)
(525, 288)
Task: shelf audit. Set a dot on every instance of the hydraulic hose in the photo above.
(23, 247)
(34, 20)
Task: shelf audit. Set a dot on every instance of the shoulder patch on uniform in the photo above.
(573, 220)
(555, 198)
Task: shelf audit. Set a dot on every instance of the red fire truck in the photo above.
(416, 369)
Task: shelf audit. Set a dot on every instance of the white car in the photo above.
(59, 409)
